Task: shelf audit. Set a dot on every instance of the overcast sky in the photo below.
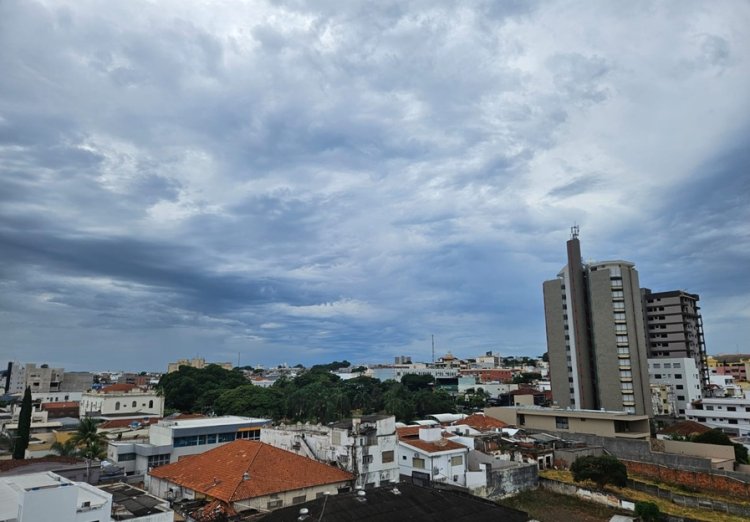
(292, 181)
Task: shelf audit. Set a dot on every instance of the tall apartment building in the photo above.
(596, 336)
(675, 328)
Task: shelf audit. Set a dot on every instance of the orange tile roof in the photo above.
(115, 388)
(482, 422)
(686, 428)
(60, 405)
(434, 447)
(408, 432)
(218, 473)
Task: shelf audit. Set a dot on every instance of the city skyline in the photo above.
(303, 182)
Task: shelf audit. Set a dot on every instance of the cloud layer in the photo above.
(291, 181)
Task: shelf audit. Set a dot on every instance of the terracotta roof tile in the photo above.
(685, 428)
(218, 473)
(408, 432)
(482, 422)
(60, 405)
(434, 447)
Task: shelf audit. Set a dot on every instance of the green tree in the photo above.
(398, 401)
(65, 449)
(90, 443)
(24, 426)
(603, 470)
(414, 382)
(647, 511)
(195, 390)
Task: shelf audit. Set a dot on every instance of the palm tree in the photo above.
(65, 449)
(92, 444)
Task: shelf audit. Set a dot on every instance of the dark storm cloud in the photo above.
(312, 181)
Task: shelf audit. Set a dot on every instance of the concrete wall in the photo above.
(699, 450)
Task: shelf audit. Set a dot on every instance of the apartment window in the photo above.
(618, 305)
(155, 461)
(617, 294)
(561, 423)
(709, 407)
(457, 461)
(680, 397)
(667, 365)
(522, 420)
(731, 408)
(626, 385)
(624, 363)
(367, 459)
(619, 328)
(628, 397)
(226, 437)
(134, 404)
(417, 463)
(615, 271)
(678, 376)
(619, 316)
(732, 421)
(680, 386)
(299, 499)
(657, 365)
(677, 365)
(623, 350)
(657, 376)
(387, 456)
(626, 374)
(273, 504)
(117, 405)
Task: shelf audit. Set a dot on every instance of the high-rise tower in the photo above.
(595, 335)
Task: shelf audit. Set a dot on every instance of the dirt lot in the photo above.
(547, 506)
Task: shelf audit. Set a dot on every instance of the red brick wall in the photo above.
(693, 479)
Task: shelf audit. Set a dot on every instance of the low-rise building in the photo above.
(603, 423)
(196, 362)
(731, 414)
(37, 497)
(247, 475)
(169, 440)
(123, 401)
(430, 457)
(365, 446)
(681, 376)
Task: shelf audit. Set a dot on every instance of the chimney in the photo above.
(430, 434)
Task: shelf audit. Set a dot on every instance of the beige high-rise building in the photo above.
(595, 335)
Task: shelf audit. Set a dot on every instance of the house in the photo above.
(426, 456)
(247, 475)
(402, 502)
(365, 446)
(121, 401)
(684, 429)
(729, 414)
(36, 497)
(171, 439)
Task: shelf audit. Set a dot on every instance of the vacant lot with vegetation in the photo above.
(547, 506)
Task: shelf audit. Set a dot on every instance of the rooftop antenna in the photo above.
(433, 348)
(574, 232)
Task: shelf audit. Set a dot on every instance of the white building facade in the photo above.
(364, 446)
(47, 497)
(171, 439)
(731, 415)
(681, 376)
(431, 458)
(134, 402)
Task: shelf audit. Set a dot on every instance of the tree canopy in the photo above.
(24, 426)
(315, 395)
(716, 436)
(603, 470)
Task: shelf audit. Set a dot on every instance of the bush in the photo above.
(603, 470)
(647, 511)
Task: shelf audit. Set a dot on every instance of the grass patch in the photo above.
(547, 506)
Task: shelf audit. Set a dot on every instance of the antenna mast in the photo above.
(433, 348)
(574, 232)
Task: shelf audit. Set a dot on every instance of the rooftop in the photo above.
(220, 472)
(405, 502)
(481, 422)
(129, 502)
(433, 447)
(212, 421)
(685, 428)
